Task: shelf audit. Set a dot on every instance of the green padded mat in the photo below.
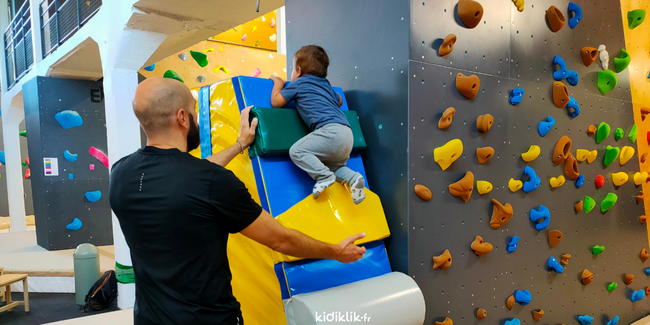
(280, 128)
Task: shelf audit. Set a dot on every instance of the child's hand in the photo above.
(277, 80)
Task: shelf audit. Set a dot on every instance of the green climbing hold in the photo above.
(606, 81)
(608, 202)
(23, 133)
(618, 134)
(635, 18)
(622, 62)
(612, 286)
(603, 132)
(24, 163)
(589, 204)
(632, 135)
(200, 58)
(611, 153)
(171, 74)
(598, 249)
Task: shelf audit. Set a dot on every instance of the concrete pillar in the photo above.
(281, 30)
(4, 23)
(12, 114)
(36, 30)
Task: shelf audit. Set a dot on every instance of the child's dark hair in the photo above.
(312, 59)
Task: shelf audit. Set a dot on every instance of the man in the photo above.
(176, 212)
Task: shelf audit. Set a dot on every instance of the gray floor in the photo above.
(46, 308)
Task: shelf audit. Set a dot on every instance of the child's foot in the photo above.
(357, 189)
(320, 186)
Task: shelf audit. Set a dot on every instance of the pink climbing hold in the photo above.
(91, 167)
(243, 38)
(256, 73)
(99, 155)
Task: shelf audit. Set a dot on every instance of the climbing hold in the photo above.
(480, 247)
(532, 153)
(632, 135)
(626, 154)
(587, 277)
(470, 12)
(589, 55)
(171, 74)
(612, 286)
(447, 118)
(545, 125)
(484, 154)
(635, 18)
(589, 204)
(638, 295)
(273, 38)
(513, 244)
(243, 38)
(514, 321)
(604, 56)
(69, 157)
(74, 225)
(28, 173)
(591, 130)
(577, 14)
(99, 155)
(517, 95)
(554, 237)
(183, 56)
(597, 249)
(600, 181)
(515, 185)
(523, 297)
(644, 255)
(648, 137)
(603, 132)
(621, 63)
(500, 214)
(467, 85)
(555, 18)
(447, 45)
(201, 78)
(22, 133)
(629, 278)
(585, 320)
(222, 68)
(150, 68)
(94, 196)
(618, 134)
(560, 94)
(510, 302)
(256, 73)
(537, 315)
(534, 181)
(573, 108)
(643, 157)
(483, 187)
(619, 178)
(578, 207)
(541, 217)
(640, 197)
(562, 150)
(580, 181)
(606, 81)
(559, 75)
(642, 219)
(463, 188)
(423, 192)
(608, 202)
(644, 112)
(442, 261)
(611, 153)
(272, 22)
(565, 259)
(614, 320)
(519, 4)
(556, 182)
(481, 314)
(447, 321)
(448, 153)
(208, 50)
(589, 156)
(68, 119)
(571, 168)
(640, 177)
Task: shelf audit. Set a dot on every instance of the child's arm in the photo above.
(277, 100)
(340, 100)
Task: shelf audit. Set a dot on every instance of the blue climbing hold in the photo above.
(541, 213)
(638, 295)
(153, 66)
(69, 119)
(534, 181)
(70, 176)
(573, 104)
(517, 95)
(513, 244)
(614, 321)
(523, 297)
(647, 271)
(2, 157)
(572, 77)
(69, 157)
(559, 75)
(580, 181)
(553, 264)
(577, 14)
(545, 125)
(585, 319)
(514, 321)
(94, 196)
(74, 225)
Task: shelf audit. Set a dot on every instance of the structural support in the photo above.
(36, 30)
(12, 114)
(281, 30)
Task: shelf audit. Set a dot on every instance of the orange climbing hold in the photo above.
(447, 321)
(555, 18)
(562, 150)
(644, 112)
(480, 247)
(442, 261)
(579, 206)
(640, 197)
(447, 45)
(589, 55)
(464, 187)
(423, 192)
(481, 314)
(591, 130)
(644, 255)
(447, 118)
(642, 219)
(629, 278)
(484, 154)
(554, 237)
(571, 167)
(510, 302)
(500, 214)
(587, 277)
(484, 122)
(560, 94)
(537, 315)
(565, 259)
(468, 85)
(470, 12)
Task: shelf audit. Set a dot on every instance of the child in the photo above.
(324, 152)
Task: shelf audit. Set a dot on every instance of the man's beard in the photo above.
(193, 136)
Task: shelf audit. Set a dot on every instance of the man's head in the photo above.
(166, 110)
(310, 59)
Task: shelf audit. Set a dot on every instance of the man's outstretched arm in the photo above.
(267, 231)
(246, 137)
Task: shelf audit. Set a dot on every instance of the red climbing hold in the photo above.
(648, 136)
(600, 181)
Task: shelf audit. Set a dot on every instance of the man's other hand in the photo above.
(348, 252)
(247, 129)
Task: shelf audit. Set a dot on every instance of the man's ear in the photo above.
(182, 118)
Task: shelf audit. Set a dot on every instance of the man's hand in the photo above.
(348, 252)
(247, 129)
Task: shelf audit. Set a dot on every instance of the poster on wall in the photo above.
(51, 166)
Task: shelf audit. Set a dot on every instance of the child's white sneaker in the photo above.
(320, 186)
(357, 189)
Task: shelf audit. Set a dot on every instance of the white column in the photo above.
(12, 114)
(281, 30)
(36, 30)
(4, 23)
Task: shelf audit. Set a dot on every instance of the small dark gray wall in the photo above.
(58, 200)
(27, 184)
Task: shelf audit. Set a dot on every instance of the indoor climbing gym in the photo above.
(306, 162)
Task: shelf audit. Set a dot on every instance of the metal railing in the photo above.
(60, 19)
(19, 51)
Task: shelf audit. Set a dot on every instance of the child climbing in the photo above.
(324, 152)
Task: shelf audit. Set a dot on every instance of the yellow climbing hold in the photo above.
(626, 154)
(519, 4)
(515, 185)
(222, 68)
(254, 28)
(556, 182)
(209, 50)
(639, 177)
(531, 154)
(589, 156)
(221, 48)
(448, 153)
(619, 178)
(483, 187)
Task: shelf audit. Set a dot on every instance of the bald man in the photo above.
(176, 212)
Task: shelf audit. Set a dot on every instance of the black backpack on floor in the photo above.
(103, 293)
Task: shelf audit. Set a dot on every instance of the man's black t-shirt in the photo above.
(176, 212)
